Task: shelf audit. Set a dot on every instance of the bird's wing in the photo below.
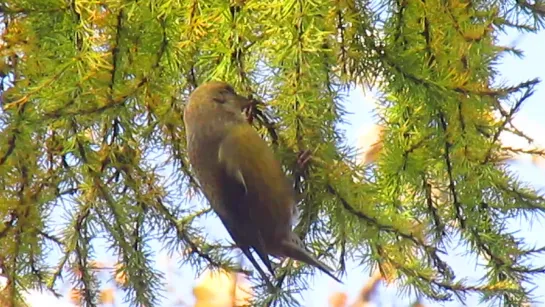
(239, 235)
(238, 222)
(250, 161)
(250, 167)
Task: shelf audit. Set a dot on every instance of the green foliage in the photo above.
(93, 95)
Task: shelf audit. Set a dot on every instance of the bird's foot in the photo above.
(303, 158)
(250, 113)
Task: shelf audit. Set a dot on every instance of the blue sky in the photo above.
(532, 118)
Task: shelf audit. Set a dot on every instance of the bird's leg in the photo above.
(249, 113)
(303, 157)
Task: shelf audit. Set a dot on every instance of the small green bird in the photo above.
(241, 177)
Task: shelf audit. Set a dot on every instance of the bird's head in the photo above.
(221, 94)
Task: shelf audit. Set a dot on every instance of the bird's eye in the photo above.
(230, 90)
(225, 95)
(220, 100)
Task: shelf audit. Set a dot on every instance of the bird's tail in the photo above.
(295, 249)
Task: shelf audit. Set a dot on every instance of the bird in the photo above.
(241, 178)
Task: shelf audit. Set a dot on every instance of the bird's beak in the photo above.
(243, 102)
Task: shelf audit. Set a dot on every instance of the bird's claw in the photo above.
(249, 113)
(303, 157)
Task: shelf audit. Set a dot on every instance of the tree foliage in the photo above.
(91, 122)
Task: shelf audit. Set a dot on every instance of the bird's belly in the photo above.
(207, 172)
